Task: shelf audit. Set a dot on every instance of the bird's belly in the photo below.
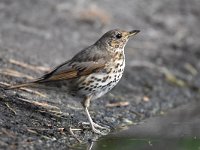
(100, 83)
(107, 86)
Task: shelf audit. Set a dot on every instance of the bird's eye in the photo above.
(119, 35)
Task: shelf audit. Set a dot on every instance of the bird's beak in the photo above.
(134, 32)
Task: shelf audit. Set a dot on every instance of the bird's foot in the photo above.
(95, 125)
(99, 132)
(95, 128)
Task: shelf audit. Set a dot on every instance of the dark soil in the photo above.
(162, 64)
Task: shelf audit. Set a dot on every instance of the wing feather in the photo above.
(72, 70)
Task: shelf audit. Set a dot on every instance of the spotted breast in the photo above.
(102, 82)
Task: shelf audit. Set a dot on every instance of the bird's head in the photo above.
(116, 39)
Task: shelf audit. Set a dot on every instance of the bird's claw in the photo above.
(94, 127)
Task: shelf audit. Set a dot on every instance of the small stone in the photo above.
(146, 99)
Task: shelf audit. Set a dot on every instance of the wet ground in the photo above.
(178, 130)
(162, 65)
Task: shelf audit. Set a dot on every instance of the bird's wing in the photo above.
(83, 63)
(71, 70)
(65, 71)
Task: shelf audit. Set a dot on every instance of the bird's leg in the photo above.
(86, 104)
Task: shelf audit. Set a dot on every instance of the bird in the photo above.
(91, 73)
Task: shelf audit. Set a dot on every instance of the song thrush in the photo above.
(92, 72)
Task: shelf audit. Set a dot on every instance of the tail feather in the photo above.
(40, 82)
(28, 84)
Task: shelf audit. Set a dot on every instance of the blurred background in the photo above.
(162, 61)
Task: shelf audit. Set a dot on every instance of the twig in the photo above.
(34, 92)
(32, 131)
(191, 69)
(35, 132)
(90, 145)
(14, 73)
(72, 133)
(73, 107)
(70, 130)
(10, 108)
(172, 78)
(118, 104)
(44, 105)
(28, 66)
(4, 83)
(27, 90)
(8, 133)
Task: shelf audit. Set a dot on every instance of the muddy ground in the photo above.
(162, 65)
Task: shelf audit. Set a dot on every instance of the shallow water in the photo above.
(147, 143)
(179, 129)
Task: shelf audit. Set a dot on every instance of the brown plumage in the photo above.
(92, 72)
